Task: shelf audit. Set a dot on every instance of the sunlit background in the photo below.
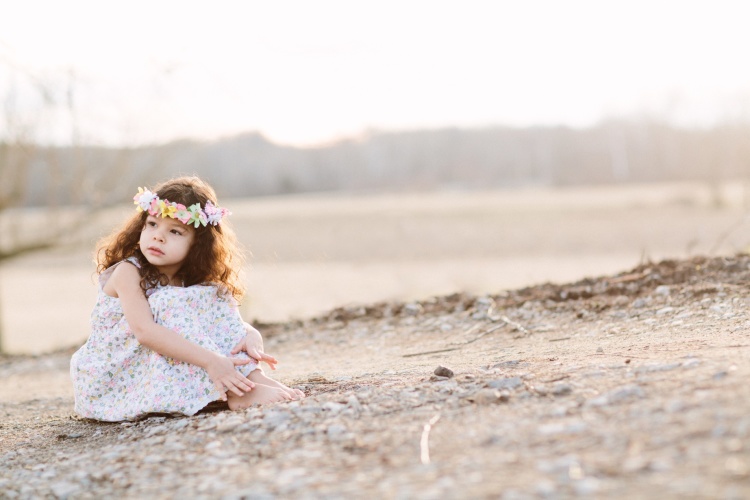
(371, 150)
(308, 72)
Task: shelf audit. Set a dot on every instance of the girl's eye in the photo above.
(151, 223)
(176, 231)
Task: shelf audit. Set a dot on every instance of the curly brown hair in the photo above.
(214, 258)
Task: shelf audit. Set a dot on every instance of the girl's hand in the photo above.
(252, 344)
(225, 378)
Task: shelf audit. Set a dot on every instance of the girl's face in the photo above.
(165, 242)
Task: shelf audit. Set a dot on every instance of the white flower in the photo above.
(143, 199)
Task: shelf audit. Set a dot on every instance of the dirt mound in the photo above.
(633, 385)
(696, 276)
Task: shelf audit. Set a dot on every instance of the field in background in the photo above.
(311, 253)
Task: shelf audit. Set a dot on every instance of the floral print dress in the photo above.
(115, 378)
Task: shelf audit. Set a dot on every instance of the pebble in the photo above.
(354, 403)
(561, 389)
(618, 395)
(508, 364)
(639, 303)
(691, 363)
(442, 371)
(64, 489)
(587, 486)
(230, 424)
(577, 427)
(275, 418)
(333, 408)
(658, 368)
(157, 429)
(413, 309)
(489, 396)
(506, 383)
(180, 424)
(336, 431)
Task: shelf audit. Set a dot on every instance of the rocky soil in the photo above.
(629, 386)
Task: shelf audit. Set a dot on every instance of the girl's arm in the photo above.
(125, 283)
(253, 345)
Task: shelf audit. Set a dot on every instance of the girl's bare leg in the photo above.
(259, 378)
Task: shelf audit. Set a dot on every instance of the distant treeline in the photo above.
(250, 165)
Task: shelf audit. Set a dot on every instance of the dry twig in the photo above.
(429, 352)
(517, 326)
(424, 445)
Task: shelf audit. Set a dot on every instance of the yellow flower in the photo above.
(167, 210)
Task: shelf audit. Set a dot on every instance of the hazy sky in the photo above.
(308, 71)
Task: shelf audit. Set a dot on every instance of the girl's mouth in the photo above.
(155, 251)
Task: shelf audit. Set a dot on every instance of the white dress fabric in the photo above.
(115, 378)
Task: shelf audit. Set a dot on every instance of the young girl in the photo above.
(166, 334)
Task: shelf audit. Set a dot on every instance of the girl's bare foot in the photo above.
(259, 378)
(259, 395)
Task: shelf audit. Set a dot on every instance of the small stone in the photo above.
(662, 290)
(180, 424)
(230, 424)
(64, 489)
(157, 429)
(561, 389)
(576, 427)
(207, 425)
(507, 364)
(587, 486)
(442, 371)
(658, 368)
(153, 459)
(413, 309)
(639, 303)
(353, 403)
(336, 431)
(489, 396)
(619, 395)
(506, 383)
(111, 455)
(333, 407)
(274, 419)
(600, 350)
(213, 445)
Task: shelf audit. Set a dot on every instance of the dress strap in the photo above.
(133, 260)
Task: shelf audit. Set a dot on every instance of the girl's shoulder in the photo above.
(107, 273)
(133, 260)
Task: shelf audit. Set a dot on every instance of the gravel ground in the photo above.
(627, 386)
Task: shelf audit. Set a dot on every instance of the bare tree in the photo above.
(34, 110)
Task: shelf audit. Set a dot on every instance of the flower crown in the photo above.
(147, 201)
